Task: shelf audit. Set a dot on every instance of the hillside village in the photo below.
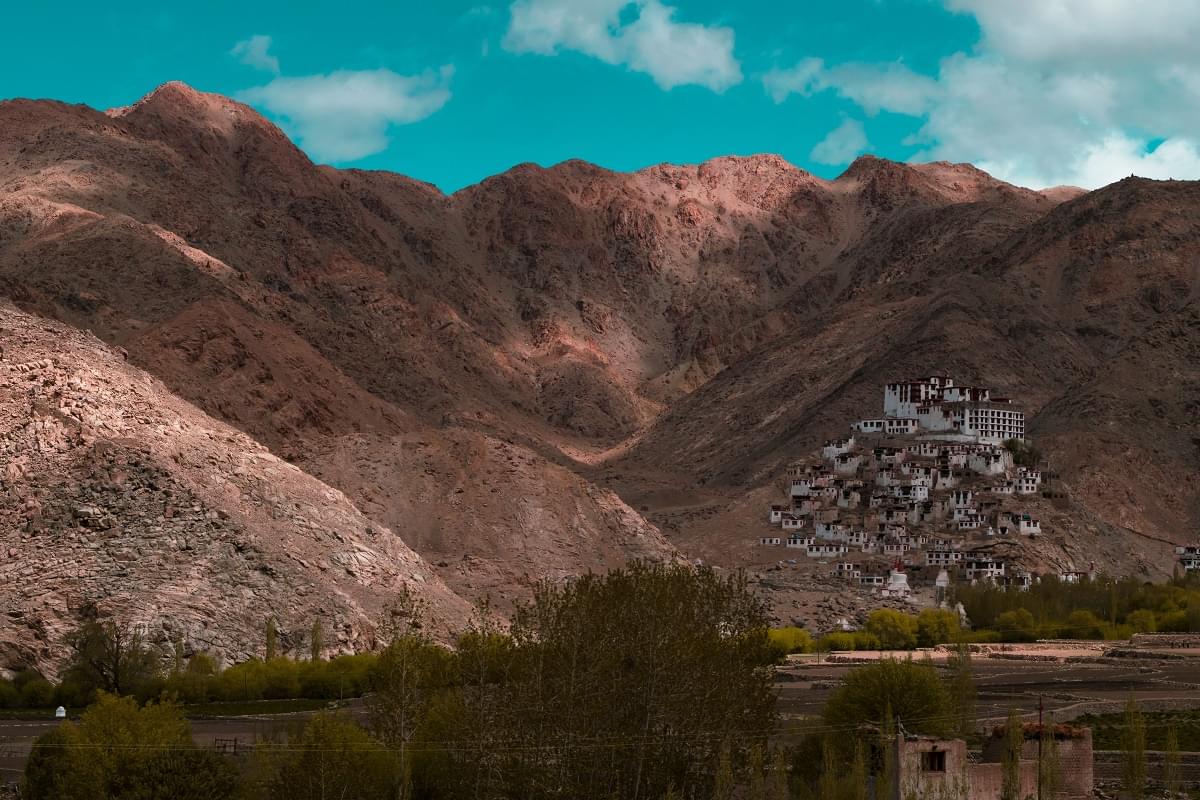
(925, 490)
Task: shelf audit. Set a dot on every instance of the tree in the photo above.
(830, 771)
(1017, 626)
(858, 774)
(605, 681)
(777, 783)
(119, 751)
(109, 657)
(1049, 769)
(316, 644)
(1010, 758)
(1133, 747)
(272, 639)
(937, 626)
(1172, 767)
(332, 757)
(960, 686)
(895, 630)
(887, 775)
(907, 690)
(724, 783)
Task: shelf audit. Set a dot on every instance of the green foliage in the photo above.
(1024, 454)
(937, 626)
(1103, 608)
(271, 636)
(316, 641)
(1010, 759)
(120, 751)
(603, 682)
(332, 756)
(910, 691)
(789, 640)
(848, 640)
(894, 630)
(1133, 747)
(1049, 768)
(960, 687)
(1018, 625)
(1172, 772)
(108, 657)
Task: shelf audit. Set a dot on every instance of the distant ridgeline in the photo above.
(934, 484)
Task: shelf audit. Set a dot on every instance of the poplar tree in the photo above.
(316, 644)
(1172, 768)
(1010, 761)
(272, 637)
(1049, 769)
(1133, 746)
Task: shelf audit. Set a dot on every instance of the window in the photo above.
(933, 761)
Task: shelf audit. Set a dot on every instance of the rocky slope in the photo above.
(528, 378)
(118, 494)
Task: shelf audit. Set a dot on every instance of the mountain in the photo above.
(562, 368)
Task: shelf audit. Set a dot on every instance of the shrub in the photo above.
(789, 640)
(895, 630)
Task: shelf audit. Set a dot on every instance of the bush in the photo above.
(895, 630)
(119, 751)
(912, 692)
(789, 640)
(331, 756)
(937, 626)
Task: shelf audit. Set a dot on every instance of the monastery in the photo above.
(931, 484)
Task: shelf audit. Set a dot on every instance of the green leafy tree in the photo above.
(777, 783)
(895, 630)
(908, 690)
(1133, 749)
(1010, 760)
(119, 751)
(1018, 625)
(886, 776)
(316, 644)
(960, 686)
(1172, 765)
(109, 657)
(831, 771)
(724, 783)
(1049, 767)
(272, 639)
(857, 779)
(332, 757)
(605, 680)
(937, 626)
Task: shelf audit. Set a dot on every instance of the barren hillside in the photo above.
(527, 378)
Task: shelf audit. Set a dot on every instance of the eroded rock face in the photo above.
(118, 494)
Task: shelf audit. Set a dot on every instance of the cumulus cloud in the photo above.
(346, 115)
(1069, 91)
(643, 35)
(841, 144)
(255, 52)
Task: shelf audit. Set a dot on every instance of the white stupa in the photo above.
(897, 585)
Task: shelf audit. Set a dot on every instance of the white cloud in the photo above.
(873, 86)
(255, 52)
(801, 79)
(649, 39)
(841, 144)
(1057, 91)
(1077, 31)
(346, 115)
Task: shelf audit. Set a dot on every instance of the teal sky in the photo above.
(451, 92)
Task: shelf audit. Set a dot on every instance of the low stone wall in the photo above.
(1107, 766)
(1166, 640)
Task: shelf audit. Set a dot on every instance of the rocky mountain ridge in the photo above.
(561, 368)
